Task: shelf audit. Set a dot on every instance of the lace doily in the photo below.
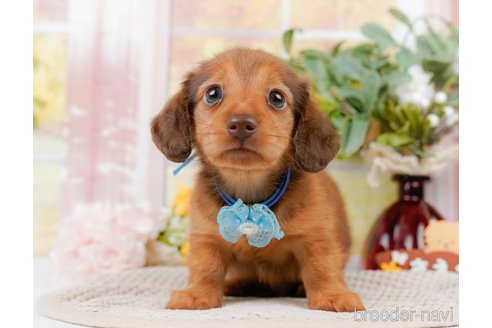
(137, 298)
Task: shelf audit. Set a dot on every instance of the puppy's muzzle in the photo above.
(242, 126)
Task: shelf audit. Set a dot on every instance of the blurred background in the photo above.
(103, 68)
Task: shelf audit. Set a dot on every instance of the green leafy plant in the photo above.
(371, 90)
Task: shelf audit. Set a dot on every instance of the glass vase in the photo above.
(402, 224)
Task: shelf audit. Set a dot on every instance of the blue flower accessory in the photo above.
(257, 221)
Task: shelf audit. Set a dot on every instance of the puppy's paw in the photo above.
(337, 302)
(189, 299)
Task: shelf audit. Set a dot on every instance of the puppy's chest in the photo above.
(275, 253)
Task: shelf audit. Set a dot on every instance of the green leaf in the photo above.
(337, 120)
(424, 48)
(449, 82)
(348, 66)
(397, 116)
(440, 70)
(414, 116)
(397, 78)
(336, 48)
(342, 124)
(356, 135)
(354, 106)
(371, 83)
(442, 46)
(455, 35)
(394, 139)
(313, 53)
(363, 50)
(316, 69)
(437, 41)
(404, 129)
(378, 63)
(369, 55)
(325, 105)
(379, 34)
(297, 64)
(334, 74)
(287, 39)
(346, 91)
(454, 99)
(401, 17)
(405, 58)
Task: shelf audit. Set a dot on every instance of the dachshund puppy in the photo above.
(252, 122)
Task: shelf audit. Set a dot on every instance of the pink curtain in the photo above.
(443, 191)
(116, 82)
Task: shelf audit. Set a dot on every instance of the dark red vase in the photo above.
(401, 226)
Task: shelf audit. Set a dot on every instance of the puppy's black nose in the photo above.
(242, 126)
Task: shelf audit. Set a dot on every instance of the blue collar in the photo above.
(229, 200)
(256, 221)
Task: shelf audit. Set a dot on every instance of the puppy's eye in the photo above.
(276, 99)
(213, 95)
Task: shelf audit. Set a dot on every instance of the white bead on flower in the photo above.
(248, 228)
(419, 264)
(451, 115)
(440, 97)
(448, 110)
(399, 258)
(440, 265)
(433, 119)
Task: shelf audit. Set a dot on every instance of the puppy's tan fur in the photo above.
(309, 260)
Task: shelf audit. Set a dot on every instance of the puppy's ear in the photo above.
(171, 130)
(316, 141)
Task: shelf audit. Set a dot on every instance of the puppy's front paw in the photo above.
(189, 299)
(337, 302)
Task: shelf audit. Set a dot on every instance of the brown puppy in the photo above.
(250, 117)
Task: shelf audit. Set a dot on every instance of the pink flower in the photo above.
(99, 239)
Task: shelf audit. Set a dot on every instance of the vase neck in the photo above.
(411, 187)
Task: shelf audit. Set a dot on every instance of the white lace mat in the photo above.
(137, 299)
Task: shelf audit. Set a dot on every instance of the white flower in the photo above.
(440, 265)
(448, 111)
(440, 97)
(452, 116)
(175, 222)
(419, 90)
(418, 264)
(172, 239)
(433, 119)
(425, 103)
(97, 239)
(158, 253)
(399, 258)
(452, 120)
